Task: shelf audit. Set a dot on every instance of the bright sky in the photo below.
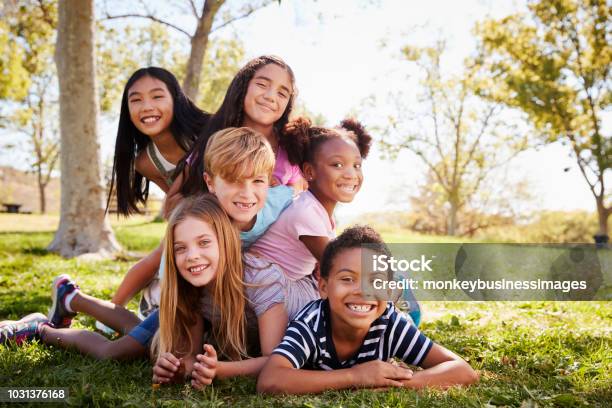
(336, 51)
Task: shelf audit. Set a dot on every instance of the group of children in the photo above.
(252, 280)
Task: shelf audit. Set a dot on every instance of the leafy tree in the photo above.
(208, 20)
(459, 137)
(83, 226)
(26, 40)
(553, 62)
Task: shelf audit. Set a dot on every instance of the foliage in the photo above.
(459, 137)
(30, 30)
(547, 227)
(121, 50)
(528, 353)
(554, 63)
(209, 16)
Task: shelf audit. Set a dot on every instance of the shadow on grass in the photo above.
(14, 305)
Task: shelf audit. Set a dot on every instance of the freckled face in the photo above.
(151, 106)
(267, 97)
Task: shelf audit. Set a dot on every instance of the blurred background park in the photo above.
(492, 119)
(492, 123)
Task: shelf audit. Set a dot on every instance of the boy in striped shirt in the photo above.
(345, 339)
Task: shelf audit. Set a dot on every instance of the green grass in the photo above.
(528, 353)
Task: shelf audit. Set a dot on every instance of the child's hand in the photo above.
(165, 369)
(378, 373)
(205, 369)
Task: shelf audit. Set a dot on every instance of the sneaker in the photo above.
(26, 329)
(59, 316)
(149, 299)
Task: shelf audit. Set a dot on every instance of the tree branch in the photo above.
(234, 19)
(147, 16)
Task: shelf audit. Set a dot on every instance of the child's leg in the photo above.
(92, 343)
(112, 315)
(138, 277)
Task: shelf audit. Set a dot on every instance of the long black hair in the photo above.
(187, 122)
(231, 114)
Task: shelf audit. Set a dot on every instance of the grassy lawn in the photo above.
(528, 353)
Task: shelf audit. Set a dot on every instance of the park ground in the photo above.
(528, 354)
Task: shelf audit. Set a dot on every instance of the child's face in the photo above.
(268, 94)
(336, 175)
(241, 199)
(196, 251)
(349, 304)
(151, 106)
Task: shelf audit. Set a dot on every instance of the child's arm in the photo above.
(173, 195)
(272, 325)
(169, 368)
(316, 245)
(138, 277)
(145, 166)
(279, 376)
(443, 368)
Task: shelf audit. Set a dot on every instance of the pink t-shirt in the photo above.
(281, 243)
(284, 171)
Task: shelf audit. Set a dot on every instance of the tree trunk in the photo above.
(602, 215)
(83, 227)
(452, 219)
(199, 42)
(41, 193)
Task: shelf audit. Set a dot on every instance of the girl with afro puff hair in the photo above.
(330, 159)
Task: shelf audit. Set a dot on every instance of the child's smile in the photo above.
(241, 199)
(351, 308)
(151, 106)
(336, 176)
(196, 251)
(267, 96)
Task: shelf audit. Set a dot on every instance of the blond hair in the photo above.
(237, 153)
(179, 303)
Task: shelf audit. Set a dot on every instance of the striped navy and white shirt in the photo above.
(308, 342)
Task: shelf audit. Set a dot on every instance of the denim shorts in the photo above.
(144, 332)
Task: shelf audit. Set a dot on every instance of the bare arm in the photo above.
(316, 245)
(443, 369)
(144, 166)
(171, 369)
(279, 376)
(138, 277)
(173, 195)
(271, 325)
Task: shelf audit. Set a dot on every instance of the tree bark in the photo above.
(199, 42)
(83, 227)
(602, 215)
(452, 219)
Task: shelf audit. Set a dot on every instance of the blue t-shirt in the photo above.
(279, 198)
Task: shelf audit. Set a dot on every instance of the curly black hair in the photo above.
(357, 236)
(302, 141)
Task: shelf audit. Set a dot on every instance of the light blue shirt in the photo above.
(279, 198)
